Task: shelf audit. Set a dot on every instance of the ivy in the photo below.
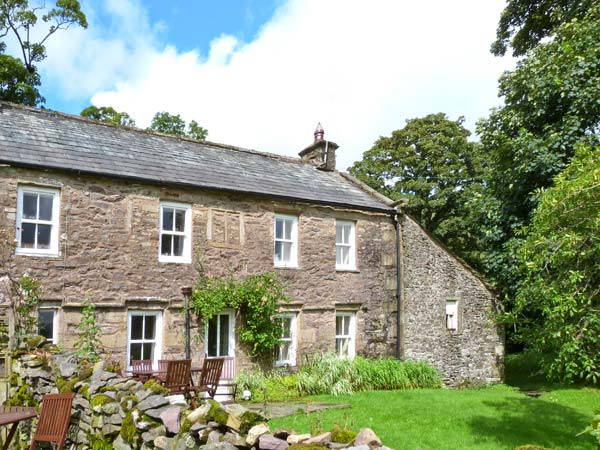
(88, 344)
(256, 298)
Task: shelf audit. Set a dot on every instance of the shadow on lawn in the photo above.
(521, 421)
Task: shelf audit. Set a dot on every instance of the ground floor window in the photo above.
(220, 335)
(345, 332)
(144, 335)
(48, 324)
(286, 351)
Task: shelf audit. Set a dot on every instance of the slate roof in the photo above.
(46, 139)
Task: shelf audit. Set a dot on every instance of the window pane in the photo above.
(165, 244)
(287, 251)
(284, 351)
(278, 251)
(345, 255)
(346, 326)
(338, 255)
(339, 324)
(224, 335)
(150, 327)
(167, 223)
(211, 345)
(30, 206)
(43, 236)
(28, 235)
(286, 325)
(288, 229)
(46, 324)
(135, 352)
(347, 229)
(279, 228)
(137, 323)
(341, 345)
(179, 219)
(339, 231)
(45, 207)
(178, 245)
(148, 350)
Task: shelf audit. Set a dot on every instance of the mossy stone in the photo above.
(128, 428)
(342, 435)
(100, 400)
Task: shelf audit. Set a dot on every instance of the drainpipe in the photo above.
(187, 292)
(399, 331)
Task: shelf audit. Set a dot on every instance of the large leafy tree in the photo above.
(108, 114)
(431, 163)
(524, 23)
(173, 124)
(551, 105)
(19, 79)
(558, 301)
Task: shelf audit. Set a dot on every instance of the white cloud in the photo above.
(360, 68)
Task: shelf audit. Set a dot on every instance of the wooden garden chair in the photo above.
(178, 381)
(162, 369)
(141, 365)
(227, 380)
(210, 376)
(54, 420)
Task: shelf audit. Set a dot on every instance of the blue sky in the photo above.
(261, 73)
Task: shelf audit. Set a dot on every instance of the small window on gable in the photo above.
(37, 221)
(345, 334)
(345, 245)
(286, 351)
(451, 314)
(286, 241)
(175, 243)
(48, 324)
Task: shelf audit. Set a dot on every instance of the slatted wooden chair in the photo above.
(227, 381)
(138, 365)
(210, 376)
(53, 423)
(162, 369)
(178, 381)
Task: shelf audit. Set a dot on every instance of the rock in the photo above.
(109, 429)
(38, 373)
(163, 442)
(110, 408)
(336, 445)
(67, 370)
(178, 399)
(281, 434)
(366, 436)
(170, 418)
(95, 386)
(97, 421)
(219, 446)
(115, 419)
(121, 444)
(81, 402)
(321, 439)
(143, 394)
(359, 447)
(155, 413)
(152, 402)
(185, 441)
(234, 439)
(270, 442)
(297, 438)
(153, 433)
(255, 432)
(199, 413)
(214, 437)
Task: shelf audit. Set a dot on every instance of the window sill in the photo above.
(347, 269)
(286, 267)
(24, 252)
(174, 261)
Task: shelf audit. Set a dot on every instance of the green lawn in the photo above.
(497, 417)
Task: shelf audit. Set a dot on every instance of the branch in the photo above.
(15, 30)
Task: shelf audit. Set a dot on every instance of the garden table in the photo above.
(13, 415)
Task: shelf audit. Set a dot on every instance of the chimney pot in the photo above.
(319, 133)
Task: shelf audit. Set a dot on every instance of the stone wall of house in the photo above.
(474, 352)
(109, 253)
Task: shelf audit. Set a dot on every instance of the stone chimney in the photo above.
(321, 152)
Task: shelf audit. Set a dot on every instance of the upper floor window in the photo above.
(286, 241)
(37, 221)
(175, 233)
(286, 351)
(345, 334)
(451, 314)
(345, 248)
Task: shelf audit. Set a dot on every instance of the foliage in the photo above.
(17, 84)
(593, 429)
(166, 123)
(28, 291)
(558, 299)
(89, 345)
(431, 163)
(342, 434)
(23, 397)
(108, 114)
(272, 386)
(527, 22)
(551, 105)
(257, 298)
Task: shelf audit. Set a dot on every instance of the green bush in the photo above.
(274, 385)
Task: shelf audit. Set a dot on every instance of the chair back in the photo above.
(178, 373)
(211, 374)
(228, 372)
(55, 416)
(162, 364)
(141, 364)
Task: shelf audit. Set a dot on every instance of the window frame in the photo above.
(158, 334)
(186, 257)
(292, 339)
(351, 336)
(54, 339)
(293, 263)
(453, 324)
(230, 334)
(54, 222)
(351, 245)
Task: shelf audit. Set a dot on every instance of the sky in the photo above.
(261, 74)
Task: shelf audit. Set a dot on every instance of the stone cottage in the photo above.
(122, 217)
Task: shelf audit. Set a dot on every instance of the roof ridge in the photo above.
(64, 115)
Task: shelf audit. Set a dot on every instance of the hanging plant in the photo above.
(256, 297)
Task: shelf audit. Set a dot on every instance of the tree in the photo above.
(166, 123)
(558, 299)
(19, 79)
(109, 115)
(551, 106)
(432, 164)
(524, 23)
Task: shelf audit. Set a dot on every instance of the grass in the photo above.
(495, 417)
